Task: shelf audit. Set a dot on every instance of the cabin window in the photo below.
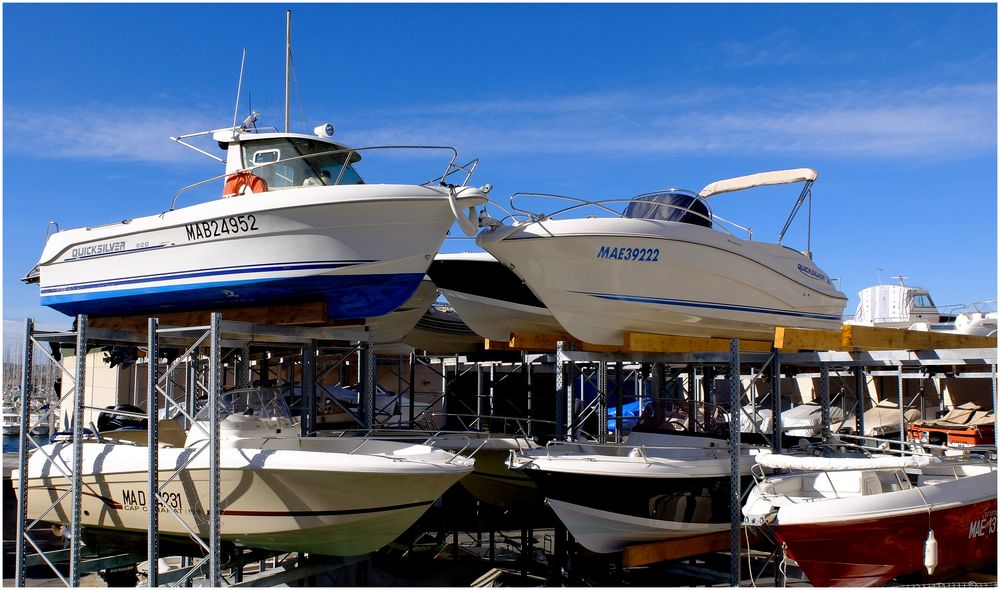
(266, 157)
(288, 163)
(922, 300)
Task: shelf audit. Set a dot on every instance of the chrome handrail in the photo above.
(579, 203)
(350, 152)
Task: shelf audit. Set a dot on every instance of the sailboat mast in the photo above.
(288, 62)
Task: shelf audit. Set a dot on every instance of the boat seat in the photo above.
(170, 433)
(682, 507)
(842, 483)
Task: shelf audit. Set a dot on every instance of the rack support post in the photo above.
(214, 410)
(78, 399)
(776, 403)
(561, 393)
(860, 393)
(735, 517)
(22, 449)
(824, 396)
(152, 432)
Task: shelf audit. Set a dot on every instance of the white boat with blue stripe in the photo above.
(666, 265)
(297, 223)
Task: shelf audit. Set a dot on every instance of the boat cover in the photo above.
(760, 179)
(670, 207)
(884, 417)
(967, 415)
(884, 303)
(809, 463)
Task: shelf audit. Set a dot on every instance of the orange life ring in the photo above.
(236, 183)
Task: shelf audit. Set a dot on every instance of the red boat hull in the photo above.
(873, 552)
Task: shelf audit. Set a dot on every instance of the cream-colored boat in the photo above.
(279, 491)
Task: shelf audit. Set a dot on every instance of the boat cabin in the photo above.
(275, 161)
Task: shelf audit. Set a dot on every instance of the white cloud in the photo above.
(102, 132)
(859, 120)
(955, 121)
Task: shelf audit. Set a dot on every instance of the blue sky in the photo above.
(894, 105)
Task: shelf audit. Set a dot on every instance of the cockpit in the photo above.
(291, 162)
(670, 206)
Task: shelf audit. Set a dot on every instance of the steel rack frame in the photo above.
(219, 334)
(858, 364)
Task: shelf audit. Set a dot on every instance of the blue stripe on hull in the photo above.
(349, 296)
(710, 305)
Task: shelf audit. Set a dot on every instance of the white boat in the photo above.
(867, 521)
(897, 306)
(493, 482)
(493, 301)
(975, 319)
(331, 496)
(441, 331)
(297, 223)
(807, 419)
(660, 484)
(11, 421)
(666, 266)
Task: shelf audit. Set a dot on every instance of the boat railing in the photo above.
(517, 213)
(349, 153)
(625, 452)
(430, 437)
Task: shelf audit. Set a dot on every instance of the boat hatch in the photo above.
(287, 162)
(670, 206)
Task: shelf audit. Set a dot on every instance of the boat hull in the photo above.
(490, 299)
(361, 249)
(872, 552)
(496, 319)
(608, 532)
(604, 277)
(283, 500)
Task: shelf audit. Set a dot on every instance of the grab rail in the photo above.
(525, 215)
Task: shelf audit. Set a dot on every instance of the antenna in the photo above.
(900, 279)
(239, 87)
(288, 61)
(878, 275)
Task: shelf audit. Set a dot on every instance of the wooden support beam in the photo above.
(791, 339)
(313, 313)
(869, 338)
(547, 342)
(647, 553)
(496, 345)
(863, 338)
(640, 342)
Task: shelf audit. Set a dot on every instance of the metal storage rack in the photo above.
(214, 337)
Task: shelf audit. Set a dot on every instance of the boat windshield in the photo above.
(670, 206)
(672, 416)
(265, 403)
(280, 163)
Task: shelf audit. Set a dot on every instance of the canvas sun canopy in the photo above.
(760, 179)
(679, 207)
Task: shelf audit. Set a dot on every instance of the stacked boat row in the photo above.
(298, 224)
(280, 491)
(846, 516)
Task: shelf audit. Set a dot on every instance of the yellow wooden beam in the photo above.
(791, 339)
(547, 342)
(873, 338)
(641, 342)
(496, 345)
